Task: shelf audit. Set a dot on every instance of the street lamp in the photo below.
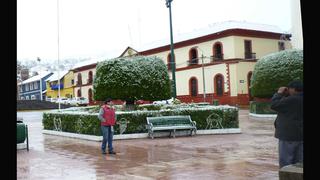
(173, 65)
(58, 55)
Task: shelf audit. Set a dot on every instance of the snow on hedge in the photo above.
(82, 111)
(132, 78)
(276, 70)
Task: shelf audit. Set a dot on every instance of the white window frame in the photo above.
(20, 87)
(31, 86)
(27, 87)
(35, 85)
(27, 97)
(21, 98)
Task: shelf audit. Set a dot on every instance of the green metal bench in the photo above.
(170, 123)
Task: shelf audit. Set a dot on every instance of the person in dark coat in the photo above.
(288, 103)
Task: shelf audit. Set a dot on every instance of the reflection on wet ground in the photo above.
(249, 155)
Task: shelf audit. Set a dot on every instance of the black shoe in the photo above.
(112, 152)
(104, 152)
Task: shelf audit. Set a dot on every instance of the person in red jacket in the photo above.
(108, 120)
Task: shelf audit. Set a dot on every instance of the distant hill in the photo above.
(38, 105)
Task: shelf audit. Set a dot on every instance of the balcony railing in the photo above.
(194, 61)
(89, 81)
(217, 57)
(250, 55)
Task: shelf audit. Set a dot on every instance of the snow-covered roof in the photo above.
(211, 29)
(36, 78)
(54, 76)
(88, 62)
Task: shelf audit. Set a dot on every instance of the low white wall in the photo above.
(141, 135)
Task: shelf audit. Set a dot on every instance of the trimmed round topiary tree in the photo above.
(276, 70)
(131, 79)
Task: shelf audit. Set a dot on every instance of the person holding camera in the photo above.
(288, 103)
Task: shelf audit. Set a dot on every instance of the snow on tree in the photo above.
(276, 70)
(132, 78)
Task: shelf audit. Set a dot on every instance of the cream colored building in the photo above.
(217, 63)
(83, 78)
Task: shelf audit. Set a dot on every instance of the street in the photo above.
(249, 155)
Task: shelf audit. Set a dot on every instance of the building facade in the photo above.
(213, 64)
(83, 77)
(66, 85)
(218, 66)
(34, 88)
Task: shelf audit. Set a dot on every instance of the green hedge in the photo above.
(88, 123)
(261, 108)
(275, 70)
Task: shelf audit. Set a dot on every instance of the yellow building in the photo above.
(66, 85)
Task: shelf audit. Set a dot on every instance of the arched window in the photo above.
(79, 93)
(193, 56)
(90, 95)
(219, 84)
(90, 79)
(218, 51)
(169, 60)
(193, 86)
(249, 84)
(79, 82)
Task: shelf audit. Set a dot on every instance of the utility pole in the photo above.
(203, 79)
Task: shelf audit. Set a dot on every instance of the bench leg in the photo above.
(27, 137)
(174, 133)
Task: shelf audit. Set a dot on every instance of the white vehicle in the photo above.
(79, 101)
(62, 100)
(168, 101)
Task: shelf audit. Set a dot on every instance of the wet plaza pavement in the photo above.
(249, 155)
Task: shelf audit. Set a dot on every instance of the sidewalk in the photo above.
(250, 155)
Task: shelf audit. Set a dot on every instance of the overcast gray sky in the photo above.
(98, 28)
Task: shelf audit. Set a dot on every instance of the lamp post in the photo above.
(173, 65)
(58, 55)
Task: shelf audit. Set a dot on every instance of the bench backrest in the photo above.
(169, 120)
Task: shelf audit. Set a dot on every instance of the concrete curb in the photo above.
(139, 135)
(264, 116)
(22, 146)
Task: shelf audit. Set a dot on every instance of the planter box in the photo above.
(261, 108)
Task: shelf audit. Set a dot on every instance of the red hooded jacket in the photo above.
(109, 116)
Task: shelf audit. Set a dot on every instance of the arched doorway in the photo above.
(193, 87)
(79, 93)
(90, 95)
(90, 79)
(219, 83)
(218, 51)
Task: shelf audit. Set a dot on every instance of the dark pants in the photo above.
(107, 137)
(290, 152)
